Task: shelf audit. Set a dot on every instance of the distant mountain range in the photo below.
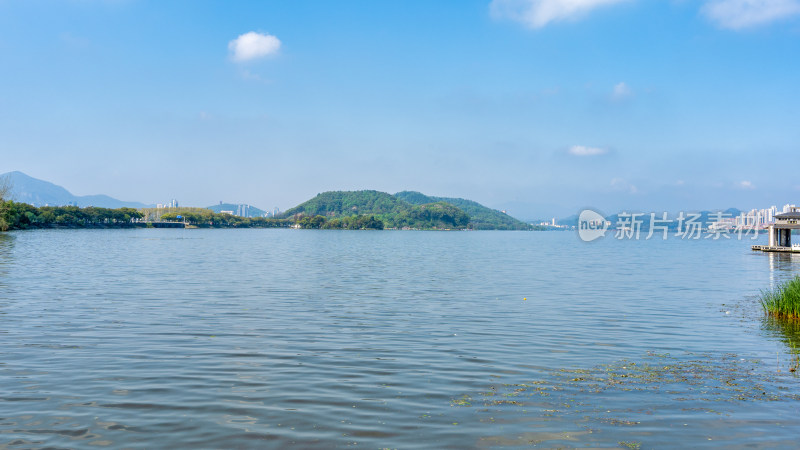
(26, 189)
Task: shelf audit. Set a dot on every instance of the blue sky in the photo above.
(538, 106)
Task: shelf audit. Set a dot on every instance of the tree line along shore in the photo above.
(22, 216)
(349, 210)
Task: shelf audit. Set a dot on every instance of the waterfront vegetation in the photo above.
(783, 302)
(21, 216)
(206, 218)
(343, 223)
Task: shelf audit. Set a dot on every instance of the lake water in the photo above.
(277, 338)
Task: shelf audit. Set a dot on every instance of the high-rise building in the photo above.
(243, 210)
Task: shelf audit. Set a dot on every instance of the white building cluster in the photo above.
(245, 210)
(171, 204)
(760, 218)
(550, 223)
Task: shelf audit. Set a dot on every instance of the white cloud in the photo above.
(746, 185)
(621, 91)
(733, 14)
(738, 14)
(538, 13)
(253, 45)
(581, 150)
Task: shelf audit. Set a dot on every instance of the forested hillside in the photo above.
(480, 217)
(404, 210)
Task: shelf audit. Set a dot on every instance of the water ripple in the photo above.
(276, 338)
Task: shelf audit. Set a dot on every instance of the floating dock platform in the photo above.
(776, 248)
(167, 224)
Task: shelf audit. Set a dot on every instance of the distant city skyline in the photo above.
(537, 107)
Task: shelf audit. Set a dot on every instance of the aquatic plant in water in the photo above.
(784, 300)
(626, 398)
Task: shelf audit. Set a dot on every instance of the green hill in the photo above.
(349, 203)
(480, 217)
(403, 210)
